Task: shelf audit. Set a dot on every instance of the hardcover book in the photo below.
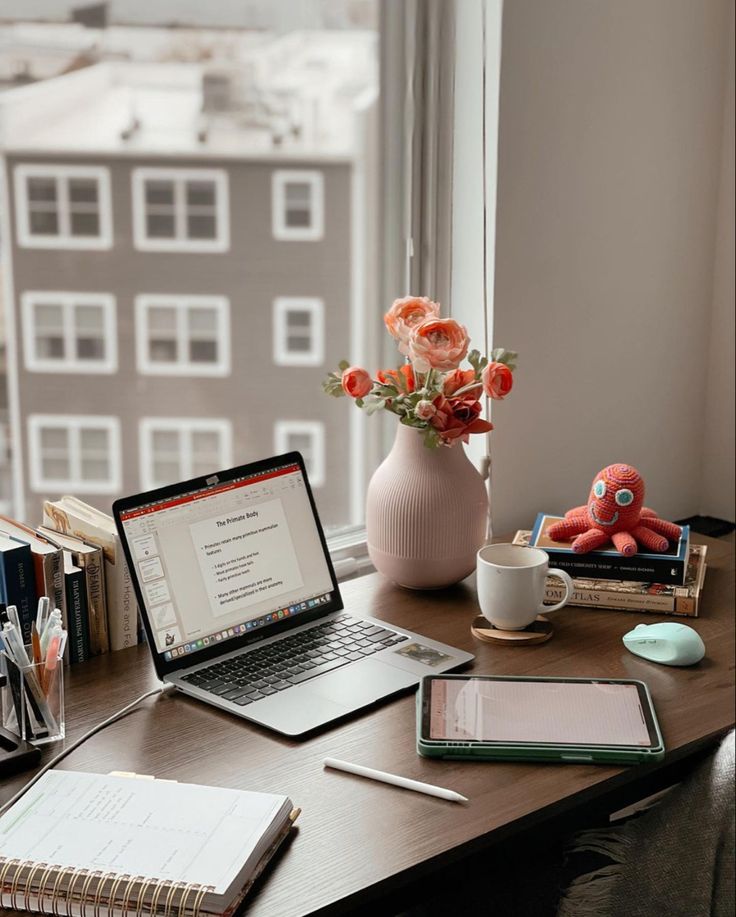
(72, 516)
(608, 564)
(88, 558)
(48, 562)
(18, 581)
(629, 595)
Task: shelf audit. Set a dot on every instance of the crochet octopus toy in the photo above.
(615, 512)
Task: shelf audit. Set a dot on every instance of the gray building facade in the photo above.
(280, 298)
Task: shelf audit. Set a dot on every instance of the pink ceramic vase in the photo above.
(426, 513)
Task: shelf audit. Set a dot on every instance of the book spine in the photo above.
(19, 581)
(96, 605)
(651, 603)
(76, 602)
(121, 605)
(660, 570)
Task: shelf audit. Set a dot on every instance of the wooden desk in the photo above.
(359, 840)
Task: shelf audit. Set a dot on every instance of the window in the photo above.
(179, 448)
(298, 331)
(74, 452)
(63, 206)
(69, 332)
(298, 205)
(307, 437)
(183, 210)
(182, 335)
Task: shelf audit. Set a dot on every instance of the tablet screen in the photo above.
(539, 712)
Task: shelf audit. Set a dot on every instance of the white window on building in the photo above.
(298, 208)
(78, 453)
(178, 448)
(182, 335)
(69, 332)
(298, 331)
(63, 206)
(181, 210)
(307, 437)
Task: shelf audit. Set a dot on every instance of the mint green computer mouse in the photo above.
(667, 642)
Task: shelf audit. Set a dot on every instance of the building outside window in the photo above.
(69, 332)
(183, 335)
(177, 448)
(63, 206)
(74, 452)
(298, 205)
(181, 210)
(298, 331)
(307, 437)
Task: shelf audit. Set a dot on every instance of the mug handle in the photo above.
(569, 587)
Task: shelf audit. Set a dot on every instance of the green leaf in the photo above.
(343, 365)
(509, 357)
(431, 438)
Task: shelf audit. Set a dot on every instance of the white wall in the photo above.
(717, 497)
(610, 137)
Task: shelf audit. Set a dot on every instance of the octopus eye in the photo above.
(599, 489)
(624, 497)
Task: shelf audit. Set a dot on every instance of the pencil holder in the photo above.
(33, 699)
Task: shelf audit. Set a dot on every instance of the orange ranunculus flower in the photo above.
(457, 379)
(405, 314)
(497, 380)
(438, 343)
(402, 378)
(458, 417)
(356, 382)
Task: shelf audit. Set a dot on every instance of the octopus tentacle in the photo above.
(576, 511)
(589, 541)
(650, 539)
(647, 511)
(567, 527)
(663, 527)
(624, 543)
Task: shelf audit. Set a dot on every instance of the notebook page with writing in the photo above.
(177, 832)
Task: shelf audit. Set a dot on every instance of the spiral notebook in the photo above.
(120, 845)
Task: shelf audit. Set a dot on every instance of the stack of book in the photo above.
(75, 558)
(668, 583)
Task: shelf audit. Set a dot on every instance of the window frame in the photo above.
(280, 178)
(220, 305)
(68, 300)
(313, 305)
(314, 428)
(74, 423)
(181, 425)
(181, 242)
(61, 174)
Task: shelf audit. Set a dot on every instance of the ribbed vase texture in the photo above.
(426, 513)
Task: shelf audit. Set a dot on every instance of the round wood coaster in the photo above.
(539, 631)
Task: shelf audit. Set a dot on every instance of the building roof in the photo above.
(293, 96)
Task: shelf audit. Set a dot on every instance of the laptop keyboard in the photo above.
(284, 663)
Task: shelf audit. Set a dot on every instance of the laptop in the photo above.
(242, 609)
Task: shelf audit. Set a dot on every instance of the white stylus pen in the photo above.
(394, 780)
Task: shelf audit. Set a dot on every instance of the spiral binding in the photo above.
(84, 889)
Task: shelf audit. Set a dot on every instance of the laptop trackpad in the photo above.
(356, 685)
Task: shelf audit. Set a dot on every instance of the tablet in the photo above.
(582, 720)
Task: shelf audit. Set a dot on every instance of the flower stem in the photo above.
(467, 388)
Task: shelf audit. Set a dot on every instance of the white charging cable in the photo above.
(160, 689)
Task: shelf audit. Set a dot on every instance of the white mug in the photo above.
(511, 582)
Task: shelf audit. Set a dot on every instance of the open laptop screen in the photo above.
(218, 562)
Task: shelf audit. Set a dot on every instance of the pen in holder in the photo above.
(33, 698)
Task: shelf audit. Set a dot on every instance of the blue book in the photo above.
(607, 563)
(18, 581)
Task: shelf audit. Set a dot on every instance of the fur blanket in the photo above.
(675, 859)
